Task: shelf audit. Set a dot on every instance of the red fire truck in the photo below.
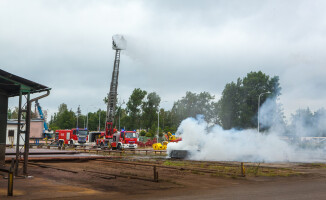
(124, 140)
(119, 140)
(73, 136)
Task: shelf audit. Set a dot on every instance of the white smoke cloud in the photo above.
(215, 144)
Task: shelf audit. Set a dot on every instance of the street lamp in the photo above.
(258, 108)
(99, 120)
(123, 102)
(78, 109)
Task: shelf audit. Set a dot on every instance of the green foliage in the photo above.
(237, 108)
(95, 119)
(160, 134)
(149, 134)
(193, 104)
(150, 108)
(142, 133)
(238, 105)
(134, 108)
(64, 119)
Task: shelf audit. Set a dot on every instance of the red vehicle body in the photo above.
(71, 136)
(120, 140)
(125, 140)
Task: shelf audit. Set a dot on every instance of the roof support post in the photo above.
(27, 133)
(18, 132)
(3, 127)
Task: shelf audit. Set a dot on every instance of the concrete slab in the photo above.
(10, 151)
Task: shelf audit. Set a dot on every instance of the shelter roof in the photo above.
(10, 85)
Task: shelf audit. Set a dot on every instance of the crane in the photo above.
(39, 108)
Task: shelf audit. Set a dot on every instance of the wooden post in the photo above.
(155, 174)
(243, 170)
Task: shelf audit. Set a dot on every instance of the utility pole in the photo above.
(99, 120)
(78, 112)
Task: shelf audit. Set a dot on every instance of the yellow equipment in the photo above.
(170, 138)
(159, 146)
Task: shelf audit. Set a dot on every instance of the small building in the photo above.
(36, 131)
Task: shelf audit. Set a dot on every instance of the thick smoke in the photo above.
(278, 143)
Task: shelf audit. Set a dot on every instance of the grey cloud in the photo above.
(173, 46)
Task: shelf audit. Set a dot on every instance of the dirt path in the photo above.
(96, 180)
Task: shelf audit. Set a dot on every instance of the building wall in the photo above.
(13, 140)
(36, 129)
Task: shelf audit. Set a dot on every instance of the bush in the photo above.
(148, 135)
(142, 133)
(160, 134)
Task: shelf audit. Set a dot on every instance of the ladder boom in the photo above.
(112, 96)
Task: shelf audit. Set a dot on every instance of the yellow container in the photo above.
(157, 146)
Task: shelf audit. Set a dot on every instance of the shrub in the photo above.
(142, 133)
(148, 134)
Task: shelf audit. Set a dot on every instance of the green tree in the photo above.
(96, 120)
(134, 108)
(238, 105)
(228, 107)
(192, 105)
(142, 133)
(64, 119)
(150, 108)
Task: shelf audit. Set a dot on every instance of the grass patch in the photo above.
(235, 170)
(174, 163)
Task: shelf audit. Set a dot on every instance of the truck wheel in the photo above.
(60, 143)
(119, 147)
(71, 143)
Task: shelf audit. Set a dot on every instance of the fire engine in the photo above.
(71, 136)
(124, 140)
(110, 137)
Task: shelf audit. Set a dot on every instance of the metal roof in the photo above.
(10, 85)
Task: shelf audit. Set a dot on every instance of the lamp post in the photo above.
(123, 102)
(258, 108)
(158, 122)
(78, 111)
(99, 120)
(87, 118)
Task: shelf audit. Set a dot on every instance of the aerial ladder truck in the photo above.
(110, 137)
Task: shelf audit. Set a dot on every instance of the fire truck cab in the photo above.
(71, 136)
(125, 140)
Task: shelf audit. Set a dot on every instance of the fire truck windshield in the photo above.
(131, 135)
(82, 132)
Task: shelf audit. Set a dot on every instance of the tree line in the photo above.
(237, 108)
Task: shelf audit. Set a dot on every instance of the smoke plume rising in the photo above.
(281, 143)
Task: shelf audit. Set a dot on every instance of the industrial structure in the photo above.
(15, 86)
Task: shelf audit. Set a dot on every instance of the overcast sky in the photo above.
(173, 47)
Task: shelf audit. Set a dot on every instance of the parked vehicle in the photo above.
(125, 140)
(71, 136)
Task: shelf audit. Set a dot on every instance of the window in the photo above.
(11, 133)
